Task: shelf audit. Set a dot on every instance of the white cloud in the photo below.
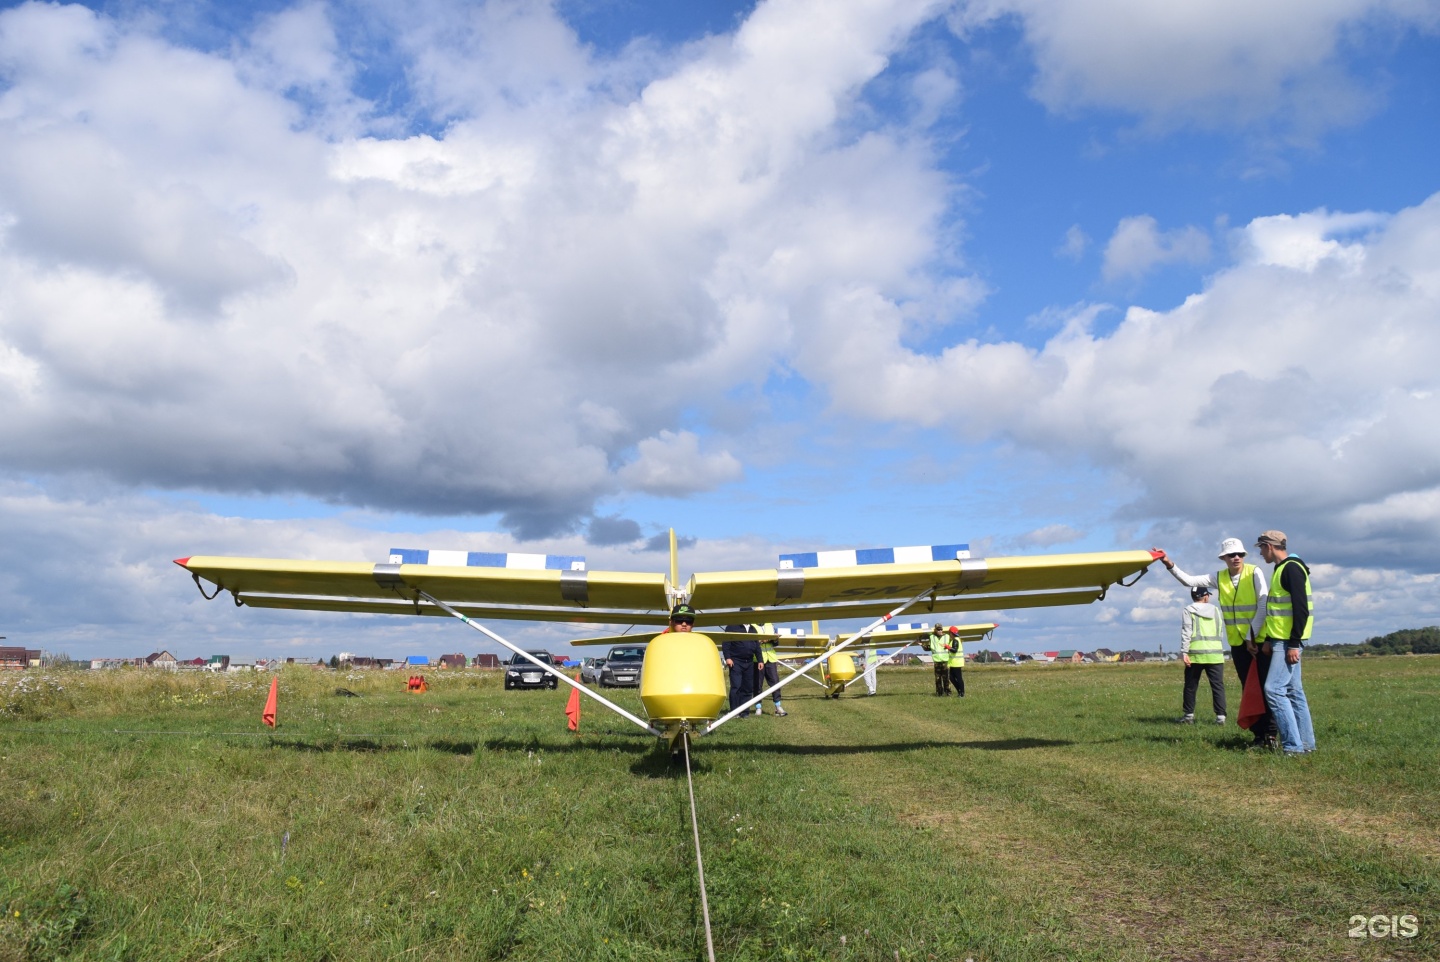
(1303, 241)
(1138, 246)
(672, 464)
(212, 276)
(1156, 605)
(1049, 536)
(1075, 243)
(1295, 391)
(1216, 62)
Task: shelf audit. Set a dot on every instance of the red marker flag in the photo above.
(1252, 702)
(572, 710)
(269, 716)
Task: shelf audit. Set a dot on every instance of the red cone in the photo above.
(1252, 701)
(269, 716)
(572, 710)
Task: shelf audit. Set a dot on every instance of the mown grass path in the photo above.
(1056, 813)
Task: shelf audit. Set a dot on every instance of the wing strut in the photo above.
(658, 733)
(796, 671)
(883, 661)
(815, 661)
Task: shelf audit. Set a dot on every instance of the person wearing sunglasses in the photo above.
(1242, 592)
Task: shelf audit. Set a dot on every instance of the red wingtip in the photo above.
(183, 562)
(1156, 555)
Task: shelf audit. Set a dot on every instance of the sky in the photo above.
(316, 280)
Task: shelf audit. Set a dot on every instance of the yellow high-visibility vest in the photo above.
(1280, 610)
(767, 648)
(1238, 603)
(938, 651)
(1205, 639)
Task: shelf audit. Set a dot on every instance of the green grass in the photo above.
(1056, 813)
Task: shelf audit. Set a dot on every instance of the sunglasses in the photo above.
(1234, 554)
(682, 621)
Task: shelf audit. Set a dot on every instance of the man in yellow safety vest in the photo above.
(939, 642)
(1289, 620)
(1201, 641)
(957, 661)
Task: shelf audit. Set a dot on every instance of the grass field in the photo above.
(1055, 813)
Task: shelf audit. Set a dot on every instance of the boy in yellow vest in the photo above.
(1202, 635)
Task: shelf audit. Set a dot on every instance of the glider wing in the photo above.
(962, 584)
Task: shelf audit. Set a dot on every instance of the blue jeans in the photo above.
(1285, 697)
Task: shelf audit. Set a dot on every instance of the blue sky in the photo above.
(319, 279)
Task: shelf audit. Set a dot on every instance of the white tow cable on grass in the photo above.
(699, 863)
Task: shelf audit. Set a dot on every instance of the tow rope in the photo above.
(699, 863)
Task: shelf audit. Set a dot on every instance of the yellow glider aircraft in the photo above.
(682, 687)
(839, 670)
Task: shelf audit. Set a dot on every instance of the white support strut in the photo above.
(863, 632)
(883, 661)
(658, 733)
(796, 671)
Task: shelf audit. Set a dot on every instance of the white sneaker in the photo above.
(758, 711)
(780, 711)
(1219, 719)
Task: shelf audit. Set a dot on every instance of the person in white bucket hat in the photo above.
(1242, 592)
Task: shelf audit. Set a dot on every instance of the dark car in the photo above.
(622, 667)
(523, 673)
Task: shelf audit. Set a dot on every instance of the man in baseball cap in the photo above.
(682, 618)
(1289, 620)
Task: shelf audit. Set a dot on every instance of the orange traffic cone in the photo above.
(1252, 699)
(572, 710)
(268, 717)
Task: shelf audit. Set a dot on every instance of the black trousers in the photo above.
(742, 683)
(957, 678)
(1265, 727)
(942, 678)
(1216, 674)
(767, 673)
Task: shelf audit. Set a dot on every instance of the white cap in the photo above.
(1231, 546)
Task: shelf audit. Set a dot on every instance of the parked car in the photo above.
(590, 670)
(523, 673)
(622, 667)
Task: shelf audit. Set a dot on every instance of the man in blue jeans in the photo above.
(1288, 622)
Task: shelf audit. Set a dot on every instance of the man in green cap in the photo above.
(939, 642)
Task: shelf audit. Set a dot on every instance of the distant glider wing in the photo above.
(964, 584)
